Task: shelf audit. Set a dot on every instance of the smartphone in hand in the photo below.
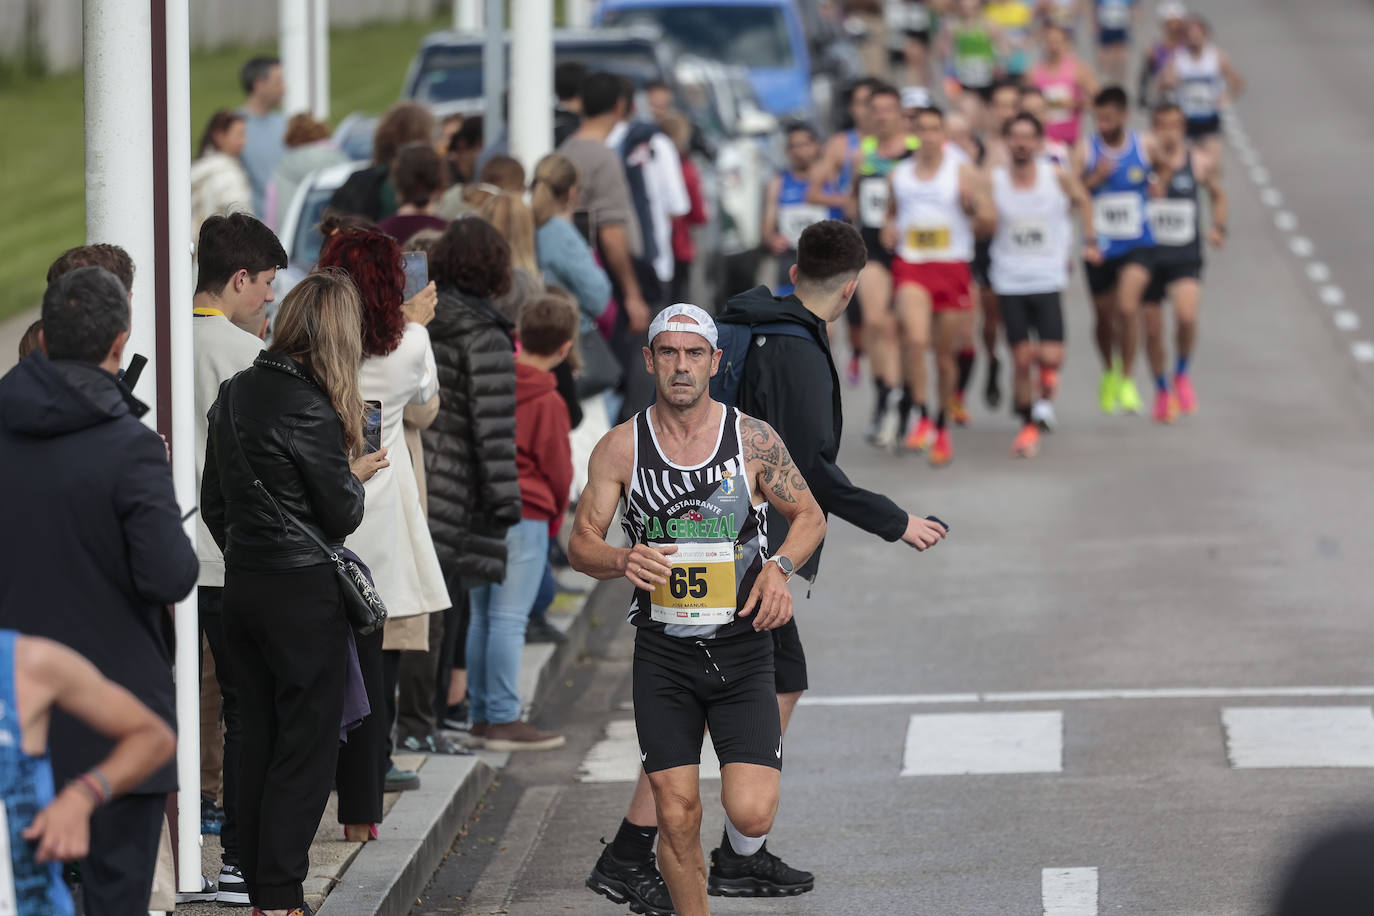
(417, 274)
(372, 425)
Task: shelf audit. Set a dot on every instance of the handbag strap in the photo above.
(257, 481)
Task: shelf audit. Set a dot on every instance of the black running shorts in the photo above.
(1204, 127)
(876, 252)
(1039, 312)
(982, 261)
(789, 659)
(1162, 276)
(1102, 277)
(683, 685)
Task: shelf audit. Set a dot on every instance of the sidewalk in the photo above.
(384, 877)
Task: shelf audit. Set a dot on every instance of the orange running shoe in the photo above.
(957, 411)
(1166, 408)
(1027, 442)
(1187, 397)
(921, 435)
(942, 452)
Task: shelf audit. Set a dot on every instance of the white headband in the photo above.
(705, 325)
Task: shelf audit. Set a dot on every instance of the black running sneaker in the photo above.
(636, 884)
(760, 875)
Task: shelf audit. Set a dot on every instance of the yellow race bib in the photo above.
(700, 591)
(928, 238)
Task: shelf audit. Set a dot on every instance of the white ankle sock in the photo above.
(741, 844)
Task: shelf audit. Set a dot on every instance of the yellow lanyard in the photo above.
(205, 312)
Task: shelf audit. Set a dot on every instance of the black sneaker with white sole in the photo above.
(760, 875)
(635, 884)
(233, 890)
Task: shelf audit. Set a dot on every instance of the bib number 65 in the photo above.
(686, 580)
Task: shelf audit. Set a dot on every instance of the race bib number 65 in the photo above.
(701, 588)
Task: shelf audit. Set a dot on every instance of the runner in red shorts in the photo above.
(937, 205)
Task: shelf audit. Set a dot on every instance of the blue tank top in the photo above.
(26, 787)
(1119, 215)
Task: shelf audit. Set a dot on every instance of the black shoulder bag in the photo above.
(365, 608)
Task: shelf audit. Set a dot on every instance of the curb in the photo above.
(385, 878)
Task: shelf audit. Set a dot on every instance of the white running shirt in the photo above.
(931, 223)
(1030, 249)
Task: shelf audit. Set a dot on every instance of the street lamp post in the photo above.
(531, 81)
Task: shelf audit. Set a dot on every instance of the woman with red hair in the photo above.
(393, 539)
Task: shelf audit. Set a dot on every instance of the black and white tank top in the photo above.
(707, 512)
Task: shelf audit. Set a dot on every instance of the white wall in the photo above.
(56, 24)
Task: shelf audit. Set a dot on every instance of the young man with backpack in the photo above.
(776, 365)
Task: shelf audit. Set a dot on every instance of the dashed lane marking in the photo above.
(1068, 891)
(1285, 220)
(1318, 272)
(1363, 350)
(1332, 295)
(1301, 246)
(1346, 320)
(615, 758)
(1299, 736)
(957, 744)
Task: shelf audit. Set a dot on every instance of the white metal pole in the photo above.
(293, 38)
(494, 71)
(319, 59)
(578, 13)
(117, 69)
(467, 15)
(531, 81)
(183, 425)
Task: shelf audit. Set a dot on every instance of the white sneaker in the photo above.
(1042, 413)
(232, 888)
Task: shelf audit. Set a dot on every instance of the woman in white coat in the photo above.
(393, 539)
(219, 184)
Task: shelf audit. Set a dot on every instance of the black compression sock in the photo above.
(940, 419)
(880, 393)
(925, 411)
(1024, 412)
(633, 843)
(965, 360)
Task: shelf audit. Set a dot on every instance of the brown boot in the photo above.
(521, 736)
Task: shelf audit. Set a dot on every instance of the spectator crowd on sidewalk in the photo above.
(416, 404)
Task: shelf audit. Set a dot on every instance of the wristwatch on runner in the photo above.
(784, 564)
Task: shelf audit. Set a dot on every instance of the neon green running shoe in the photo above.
(1128, 397)
(1108, 392)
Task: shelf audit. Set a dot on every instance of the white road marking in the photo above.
(615, 758)
(1069, 891)
(1259, 175)
(1299, 736)
(956, 744)
(1318, 272)
(1285, 220)
(1271, 197)
(1249, 157)
(1346, 320)
(1072, 696)
(1363, 350)
(1332, 295)
(1301, 246)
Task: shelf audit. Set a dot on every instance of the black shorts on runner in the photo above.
(876, 251)
(1162, 276)
(982, 261)
(1039, 312)
(1196, 130)
(1102, 277)
(682, 685)
(789, 659)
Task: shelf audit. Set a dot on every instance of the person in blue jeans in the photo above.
(543, 459)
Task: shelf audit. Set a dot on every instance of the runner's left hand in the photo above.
(1216, 237)
(1092, 254)
(62, 831)
(770, 597)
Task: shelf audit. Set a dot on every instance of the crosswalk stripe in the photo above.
(1069, 891)
(1299, 736)
(949, 744)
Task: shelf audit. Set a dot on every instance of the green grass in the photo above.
(42, 152)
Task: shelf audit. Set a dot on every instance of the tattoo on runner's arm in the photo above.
(778, 472)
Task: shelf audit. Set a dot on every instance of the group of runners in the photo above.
(926, 216)
(982, 206)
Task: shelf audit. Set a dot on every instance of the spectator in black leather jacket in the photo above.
(296, 420)
(474, 492)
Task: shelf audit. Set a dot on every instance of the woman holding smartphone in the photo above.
(291, 425)
(393, 540)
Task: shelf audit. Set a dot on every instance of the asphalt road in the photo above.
(1143, 608)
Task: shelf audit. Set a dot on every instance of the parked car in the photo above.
(766, 36)
(446, 73)
(300, 233)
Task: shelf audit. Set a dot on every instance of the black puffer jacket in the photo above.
(293, 441)
(474, 493)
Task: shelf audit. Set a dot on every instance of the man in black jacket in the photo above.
(93, 552)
